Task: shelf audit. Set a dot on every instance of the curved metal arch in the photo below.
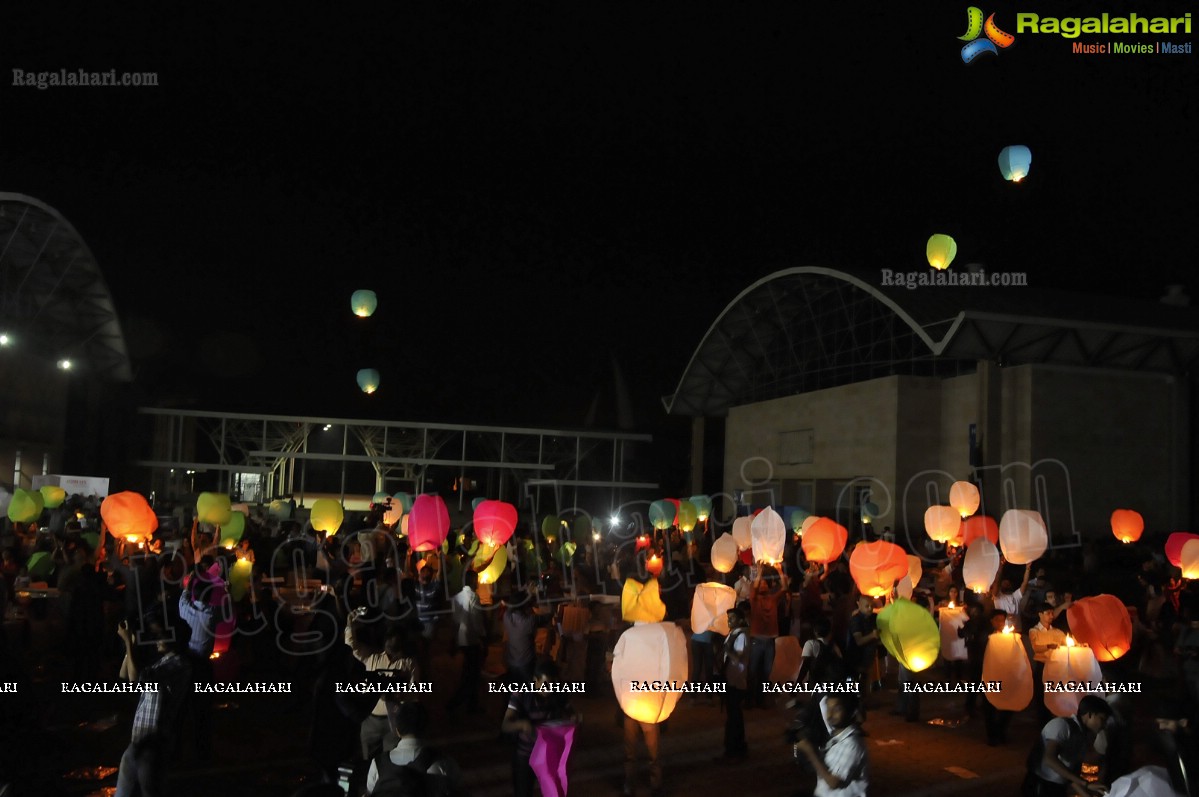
(53, 297)
(935, 345)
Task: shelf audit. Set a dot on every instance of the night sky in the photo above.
(541, 193)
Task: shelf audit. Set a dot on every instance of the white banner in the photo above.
(74, 485)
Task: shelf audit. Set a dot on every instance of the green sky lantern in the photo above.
(405, 501)
(703, 506)
(327, 515)
(798, 516)
(941, 251)
(688, 515)
(232, 531)
(363, 303)
(566, 553)
(40, 565)
(910, 634)
(661, 514)
(280, 510)
(1014, 162)
(379, 498)
(214, 508)
(52, 495)
(25, 506)
(582, 528)
(550, 527)
(368, 380)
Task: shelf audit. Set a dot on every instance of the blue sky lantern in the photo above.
(941, 251)
(368, 380)
(363, 303)
(1014, 162)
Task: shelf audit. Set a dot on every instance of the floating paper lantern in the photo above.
(688, 516)
(550, 526)
(582, 528)
(709, 608)
(1022, 536)
(824, 540)
(964, 497)
(1174, 545)
(213, 508)
(797, 518)
(876, 566)
(393, 513)
(363, 303)
(703, 506)
(642, 543)
(950, 619)
(128, 515)
(641, 603)
(327, 515)
(240, 576)
(651, 652)
(743, 533)
(941, 523)
(25, 506)
(1190, 559)
(653, 565)
(979, 527)
(1014, 162)
(981, 565)
(1127, 525)
(661, 514)
(941, 251)
(52, 495)
(40, 565)
(490, 562)
(1006, 661)
(915, 569)
(380, 498)
(368, 380)
(495, 521)
(788, 656)
(768, 536)
(910, 634)
(724, 553)
(566, 553)
(1069, 663)
(1102, 623)
(232, 531)
(428, 523)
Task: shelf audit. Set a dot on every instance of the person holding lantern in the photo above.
(1044, 639)
(375, 733)
(841, 764)
(1007, 599)
(1055, 766)
(768, 591)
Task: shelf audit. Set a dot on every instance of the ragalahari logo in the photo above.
(995, 41)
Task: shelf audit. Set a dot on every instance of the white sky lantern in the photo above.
(649, 652)
(903, 587)
(724, 553)
(1070, 662)
(709, 607)
(768, 535)
(808, 523)
(1005, 661)
(950, 620)
(964, 497)
(915, 569)
(941, 523)
(1190, 559)
(1022, 536)
(980, 566)
(742, 533)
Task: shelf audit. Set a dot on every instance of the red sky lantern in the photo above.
(494, 522)
(980, 527)
(428, 523)
(653, 565)
(824, 541)
(1174, 545)
(1127, 525)
(876, 566)
(1102, 623)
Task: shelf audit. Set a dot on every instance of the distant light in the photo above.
(64, 365)
(615, 521)
(328, 426)
(4, 339)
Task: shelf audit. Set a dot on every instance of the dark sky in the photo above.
(539, 190)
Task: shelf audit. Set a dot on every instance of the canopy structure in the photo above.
(54, 302)
(809, 328)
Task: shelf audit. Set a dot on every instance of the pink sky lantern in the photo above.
(494, 522)
(428, 523)
(1174, 545)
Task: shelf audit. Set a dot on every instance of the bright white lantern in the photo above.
(645, 653)
(1022, 536)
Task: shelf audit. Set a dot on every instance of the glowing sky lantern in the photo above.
(807, 523)
(653, 564)
(393, 513)
(1014, 162)
(941, 523)
(964, 497)
(490, 563)
(368, 380)
(910, 634)
(25, 506)
(981, 565)
(128, 515)
(232, 531)
(661, 514)
(797, 518)
(979, 527)
(327, 515)
(824, 540)
(363, 303)
(724, 553)
(1006, 661)
(915, 569)
(876, 566)
(404, 500)
(649, 652)
(941, 251)
(1022, 536)
(1190, 559)
(709, 606)
(380, 498)
(1070, 663)
(1127, 525)
(768, 536)
(643, 542)
(1101, 622)
(703, 506)
(52, 495)
(950, 620)
(743, 533)
(641, 603)
(494, 522)
(1174, 545)
(240, 576)
(688, 516)
(214, 508)
(550, 526)
(428, 523)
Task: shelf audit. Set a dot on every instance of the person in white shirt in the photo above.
(1007, 599)
(841, 764)
(397, 662)
(472, 639)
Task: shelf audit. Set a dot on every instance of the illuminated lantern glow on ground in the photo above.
(213, 508)
(25, 506)
(1102, 623)
(428, 523)
(964, 497)
(941, 250)
(128, 515)
(649, 652)
(327, 515)
(1190, 560)
(495, 521)
(743, 533)
(724, 553)
(709, 608)
(910, 634)
(876, 566)
(641, 603)
(52, 495)
(1127, 525)
(980, 527)
(368, 380)
(787, 659)
(824, 540)
(941, 523)
(661, 514)
(1006, 661)
(1022, 536)
(653, 565)
(980, 565)
(1174, 545)
(1070, 663)
(703, 506)
(1014, 162)
(768, 536)
(915, 569)
(688, 516)
(232, 531)
(363, 303)
(950, 619)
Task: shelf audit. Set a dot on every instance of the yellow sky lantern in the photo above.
(641, 603)
(327, 515)
(941, 250)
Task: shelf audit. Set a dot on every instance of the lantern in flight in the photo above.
(368, 380)
(797, 519)
(25, 506)
(428, 523)
(1174, 545)
(327, 515)
(495, 521)
(941, 523)
(964, 497)
(824, 540)
(950, 620)
(876, 566)
(688, 516)
(52, 495)
(724, 553)
(743, 533)
(1070, 663)
(232, 531)
(1014, 162)
(1101, 622)
(768, 536)
(910, 634)
(128, 515)
(490, 562)
(1006, 661)
(1022, 536)
(661, 514)
(979, 527)
(980, 565)
(363, 303)
(646, 653)
(941, 250)
(1127, 525)
(915, 569)
(213, 508)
